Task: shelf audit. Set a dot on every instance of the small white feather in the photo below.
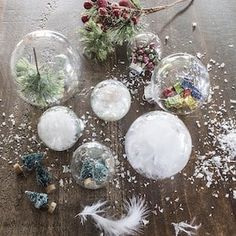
(189, 229)
(130, 224)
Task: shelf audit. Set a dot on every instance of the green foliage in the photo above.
(97, 43)
(40, 89)
(123, 33)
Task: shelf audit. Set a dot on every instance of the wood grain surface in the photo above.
(172, 200)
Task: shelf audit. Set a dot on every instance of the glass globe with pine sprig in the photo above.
(108, 24)
(45, 68)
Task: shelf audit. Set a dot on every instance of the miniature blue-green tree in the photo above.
(38, 199)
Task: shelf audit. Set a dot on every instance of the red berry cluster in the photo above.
(145, 56)
(109, 13)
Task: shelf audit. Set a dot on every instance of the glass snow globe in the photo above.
(158, 145)
(92, 165)
(45, 68)
(59, 128)
(110, 100)
(144, 53)
(180, 84)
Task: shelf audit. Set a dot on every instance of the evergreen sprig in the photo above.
(97, 43)
(123, 33)
(41, 89)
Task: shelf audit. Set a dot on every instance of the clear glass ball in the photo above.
(158, 145)
(110, 100)
(92, 165)
(59, 128)
(180, 84)
(144, 53)
(45, 68)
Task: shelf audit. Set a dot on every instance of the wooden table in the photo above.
(171, 200)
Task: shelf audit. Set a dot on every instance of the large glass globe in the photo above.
(45, 68)
(180, 84)
(92, 165)
(158, 145)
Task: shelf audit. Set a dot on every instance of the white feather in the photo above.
(130, 224)
(189, 229)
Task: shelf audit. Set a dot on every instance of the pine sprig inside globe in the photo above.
(43, 88)
(107, 24)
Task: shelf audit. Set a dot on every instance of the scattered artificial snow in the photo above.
(234, 194)
(228, 142)
(66, 169)
(194, 25)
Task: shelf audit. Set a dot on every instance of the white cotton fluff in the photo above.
(158, 145)
(110, 100)
(130, 224)
(59, 128)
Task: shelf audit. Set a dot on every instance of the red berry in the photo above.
(145, 59)
(102, 11)
(116, 12)
(85, 18)
(150, 66)
(124, 3)
(135, 20)
(125, 16)
(102, 3)
(88, 5)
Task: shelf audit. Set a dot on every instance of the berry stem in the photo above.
(159, 8)
(147, 11)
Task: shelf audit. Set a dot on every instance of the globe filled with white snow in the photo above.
(110, 100)
(158, 145)
(60, 128)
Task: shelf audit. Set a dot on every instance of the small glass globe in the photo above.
(59, 128)
(45, 68)
(144, 53)
(158, 145)
(180, 84)
(110, 100)
(92, 165)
